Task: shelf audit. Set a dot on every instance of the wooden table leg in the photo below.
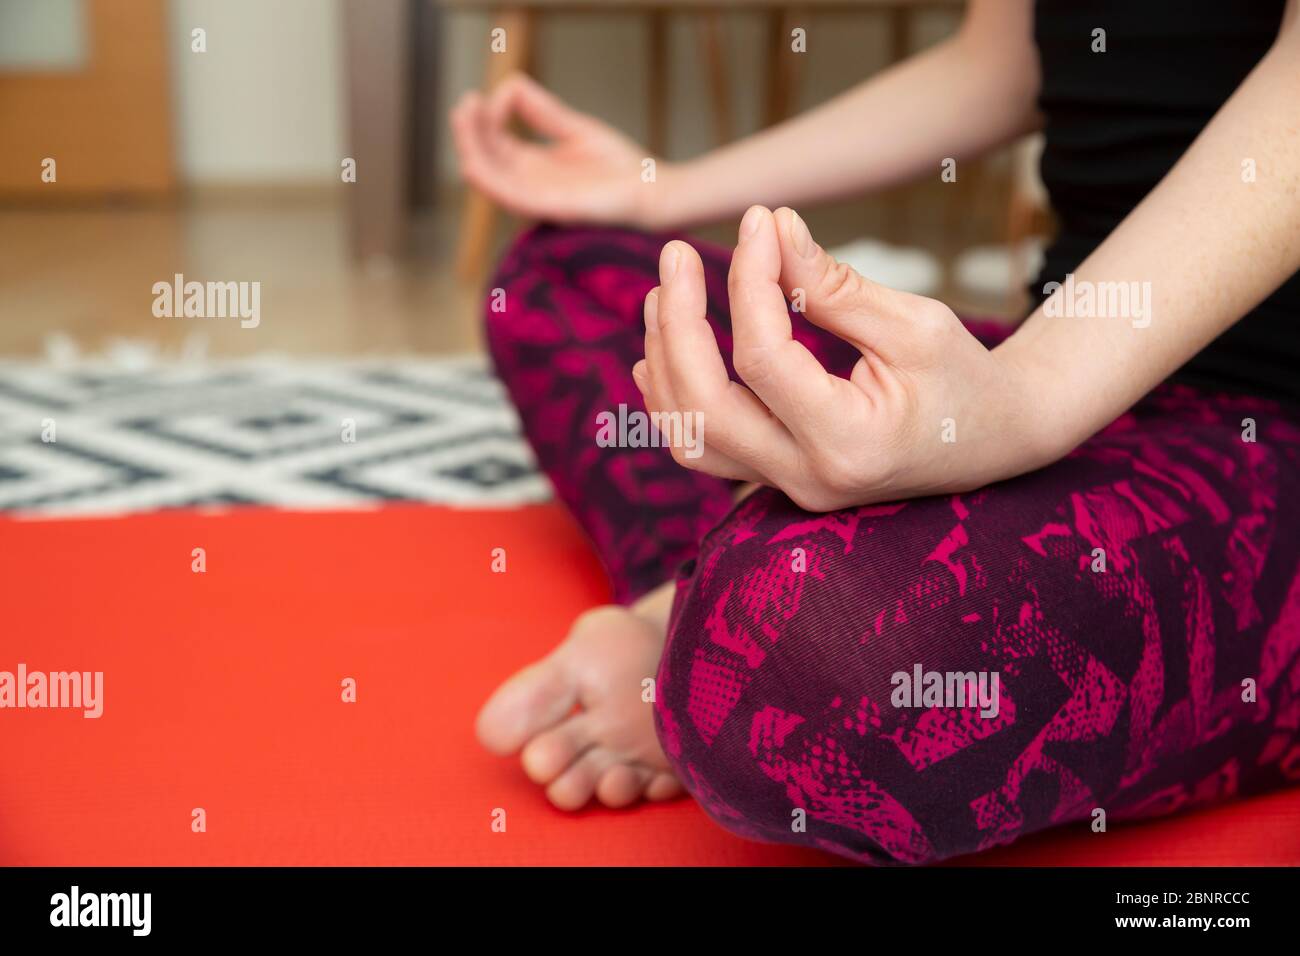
(715, 53)
(427, 121)
(377, 40)
(657, 81)
(478, 220)
(898, 212)
(786, 66)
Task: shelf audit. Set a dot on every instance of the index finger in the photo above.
(781, 371)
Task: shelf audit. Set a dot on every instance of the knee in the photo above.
(561, 254)
(771, 699)
(557, 285)
(515, 283)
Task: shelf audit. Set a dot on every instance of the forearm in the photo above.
(957, 100)
(1206, 245)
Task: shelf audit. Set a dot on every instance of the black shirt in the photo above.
(1116, 123)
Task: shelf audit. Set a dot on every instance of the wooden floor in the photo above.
(87, 273)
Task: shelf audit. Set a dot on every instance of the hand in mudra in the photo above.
(581, 170)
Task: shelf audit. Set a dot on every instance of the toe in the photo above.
(622, 785)
(552, 752)
(534, 700)
(574, 788)
(663, 787)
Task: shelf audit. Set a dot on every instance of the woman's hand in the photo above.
(927, 409)
(584, 171)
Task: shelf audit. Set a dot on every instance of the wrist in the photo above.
(1038, 424)
(659, 203)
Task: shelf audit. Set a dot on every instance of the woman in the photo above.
(1087, 528)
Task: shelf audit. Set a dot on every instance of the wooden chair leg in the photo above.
(715, 54)
(657, 81)
(377, 50)
(426, 122)
(478, 220)
(1019, 227)
(898, 215)
(786, 65)
(900, 33)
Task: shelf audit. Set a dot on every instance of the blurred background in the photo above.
(210, 138)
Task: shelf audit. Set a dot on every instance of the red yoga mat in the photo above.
(223, 692)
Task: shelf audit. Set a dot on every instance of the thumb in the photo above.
(835, 297)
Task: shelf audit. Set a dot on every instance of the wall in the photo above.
(42, 34)
(265, 103)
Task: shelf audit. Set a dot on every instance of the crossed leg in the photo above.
(1119, 689)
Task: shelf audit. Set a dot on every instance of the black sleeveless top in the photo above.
(1116, 123)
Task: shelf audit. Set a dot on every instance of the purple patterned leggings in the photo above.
(1138, 602)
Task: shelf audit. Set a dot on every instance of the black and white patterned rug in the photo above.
(91, 438)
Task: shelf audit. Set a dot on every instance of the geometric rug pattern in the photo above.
(285, 433)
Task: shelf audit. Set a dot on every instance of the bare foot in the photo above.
(577, 717)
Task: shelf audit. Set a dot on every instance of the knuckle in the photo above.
(694, 396)
(735, 282)
(933, 321)
(813, 500)
(680, 456)
(836, 472)
(739, 287)
(753, 364)
(840, 285)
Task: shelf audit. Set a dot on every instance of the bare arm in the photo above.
(930, 410)
(958, 99)
(1211, 245)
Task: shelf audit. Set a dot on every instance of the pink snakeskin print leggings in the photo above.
(1137, 603)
